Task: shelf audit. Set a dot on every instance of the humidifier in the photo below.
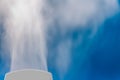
(28, 75)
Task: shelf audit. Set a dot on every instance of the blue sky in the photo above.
(100, 59)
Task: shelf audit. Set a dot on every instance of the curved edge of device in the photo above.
(32, 71)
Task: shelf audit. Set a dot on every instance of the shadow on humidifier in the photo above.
(28, 75)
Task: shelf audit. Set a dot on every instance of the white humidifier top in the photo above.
(28, 74)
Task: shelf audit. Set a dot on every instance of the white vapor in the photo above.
(77, 14)
(25, 34)
(26, 23)
(63, 57)
(80, 12)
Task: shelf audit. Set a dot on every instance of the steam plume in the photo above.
(26, 27)
(25, 34)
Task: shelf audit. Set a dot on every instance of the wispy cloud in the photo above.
(77, 14)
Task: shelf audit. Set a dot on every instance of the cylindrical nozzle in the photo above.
(28, 75)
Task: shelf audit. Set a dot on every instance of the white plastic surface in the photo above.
(28, 75)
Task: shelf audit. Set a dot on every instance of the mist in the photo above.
(26, 23)
(76, 15)
(25, 34)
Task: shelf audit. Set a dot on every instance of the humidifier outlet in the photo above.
(28, 75)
